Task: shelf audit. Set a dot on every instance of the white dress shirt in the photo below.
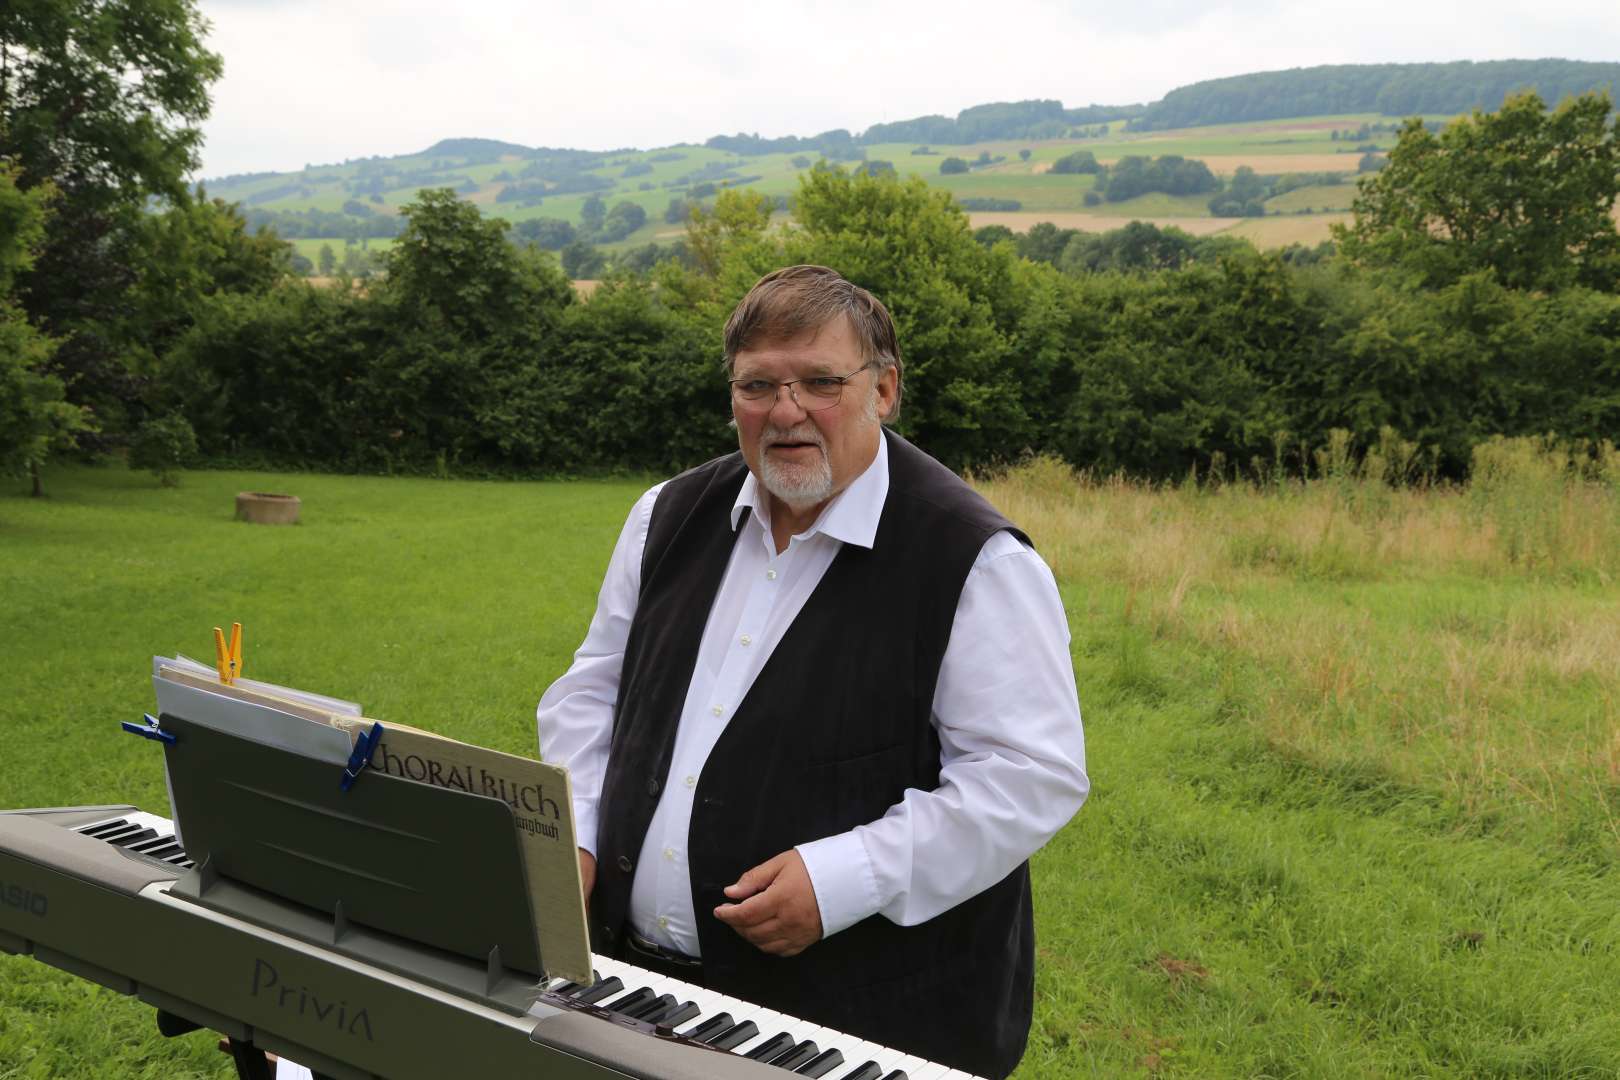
(1012, 753)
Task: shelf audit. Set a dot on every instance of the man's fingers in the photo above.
(756, 880)
(751, 912)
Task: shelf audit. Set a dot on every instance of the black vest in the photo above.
(830, 735)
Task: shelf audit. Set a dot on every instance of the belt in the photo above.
(651, 949)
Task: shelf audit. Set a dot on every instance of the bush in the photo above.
(163, 445)
(1081, 161)
(952, 165)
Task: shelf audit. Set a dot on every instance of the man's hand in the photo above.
(778, 912)
(587, 873)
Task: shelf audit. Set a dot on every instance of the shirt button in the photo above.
(663, 923)
(746, 640)
(718, 710)
(669, 853)
(691, 781)
(770, 575)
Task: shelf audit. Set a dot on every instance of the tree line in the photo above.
(1391, 89)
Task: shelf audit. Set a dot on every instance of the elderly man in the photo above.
(825, 711)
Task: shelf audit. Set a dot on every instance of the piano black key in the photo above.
(105, 827)
(799, 1055)
(112, 836)
(898, 1074)
(773, 1047)
(646, 1010)
(734, 1037)
(157, 843)
(678, 1013)
(869, 1071)
(126, 839)
(566, 988)
(711, 1027)
(601, 991)
(631, 1000)
(822, 1064)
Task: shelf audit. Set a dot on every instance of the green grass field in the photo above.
(1355, 752)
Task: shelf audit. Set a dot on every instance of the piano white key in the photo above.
(770, 1023)
(859, 1053)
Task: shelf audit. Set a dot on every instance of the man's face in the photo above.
(801, 457)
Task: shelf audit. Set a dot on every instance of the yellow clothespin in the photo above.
(228, 659)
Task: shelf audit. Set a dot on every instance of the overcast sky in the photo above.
(318, 81)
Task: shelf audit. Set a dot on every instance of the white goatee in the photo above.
(798, 484)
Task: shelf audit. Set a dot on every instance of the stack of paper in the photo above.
(326, 728)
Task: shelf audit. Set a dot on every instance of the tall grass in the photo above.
(1354, 598)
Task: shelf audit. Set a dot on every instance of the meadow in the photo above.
(1355, 749)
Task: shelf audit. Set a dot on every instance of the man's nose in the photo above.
(787, 404)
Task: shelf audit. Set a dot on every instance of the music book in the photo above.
(538, 793)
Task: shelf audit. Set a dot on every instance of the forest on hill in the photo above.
(1390, 89)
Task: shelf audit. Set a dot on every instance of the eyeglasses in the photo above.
(820, 391)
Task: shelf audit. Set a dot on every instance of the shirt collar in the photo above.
(851, 516)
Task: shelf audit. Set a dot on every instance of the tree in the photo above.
(102, 101)
(625, 218)
(34, 418)
(1525, 192)
(1244, 197)
(328, 260)
(1081, 161)
(1023, 155)
(193, 249)
(738, 221)
(581, 261)
(964, 397)
(593, 213)
(552, 234)
(952, 165)
(163, 445)
(453, 265)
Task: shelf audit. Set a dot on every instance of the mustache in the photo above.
(801, 433)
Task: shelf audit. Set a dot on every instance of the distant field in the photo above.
(1317, 197)
(1022, 221)
(1303, 144)
(310, 247)
(1273, 232)
(1266, 164)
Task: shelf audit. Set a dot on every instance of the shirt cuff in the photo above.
(585, 827)
(841, 874)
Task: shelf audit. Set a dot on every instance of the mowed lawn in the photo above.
(1355, 753)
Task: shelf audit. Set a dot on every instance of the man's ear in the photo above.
(888, 390)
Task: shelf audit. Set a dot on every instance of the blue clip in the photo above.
(148, 730)
(364, 747)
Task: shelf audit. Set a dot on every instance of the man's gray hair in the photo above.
(795, 299)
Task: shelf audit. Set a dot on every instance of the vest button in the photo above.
(652, 786)
(607, 932)
(625, 864)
